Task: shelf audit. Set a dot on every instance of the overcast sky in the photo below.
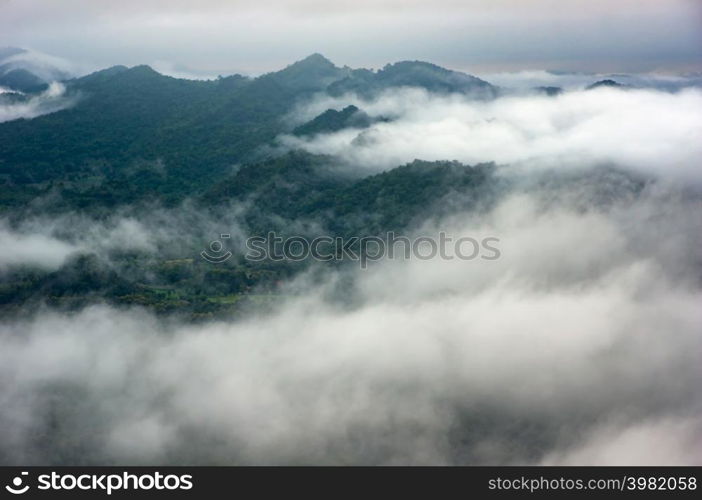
(217, 36)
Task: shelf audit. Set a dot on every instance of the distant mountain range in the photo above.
(132, 134)
(126, 119)
(22, 70)
(132, 140)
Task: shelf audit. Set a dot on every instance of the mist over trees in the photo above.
(124, 345)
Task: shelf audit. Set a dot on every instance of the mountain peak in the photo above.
(405, 65)
(315, 59)
(314, 72)
(144, 69)
(413, 74)
(605, 83)
(141, 72)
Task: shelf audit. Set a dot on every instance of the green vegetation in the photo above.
(136, 139)
(332, 120)
(412, 74)
(278, 194)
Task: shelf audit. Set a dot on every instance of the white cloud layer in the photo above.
(51, 100)
(528, 79)
(46, 242)
(644, 130)
(34, 249)
(580, 346)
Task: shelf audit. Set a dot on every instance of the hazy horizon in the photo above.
(216, 37)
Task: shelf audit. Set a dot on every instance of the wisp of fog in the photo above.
(580, 345)
(645, 130)
(49, 101)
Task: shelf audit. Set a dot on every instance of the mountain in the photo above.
(273, 195)
(314, 73)
(302, 186)
(279, 194)
(549, 90)
(134, 134)
(22, 80)
(412, 74)
(605, 83)
(332, 120)
(108, 148)
(137, 143)
(29, 71)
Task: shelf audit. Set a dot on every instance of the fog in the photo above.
(31, 248)
(47, 67)
(644, 130)
(527, 80)
(579, 345)
(48, 241)
(51, 100)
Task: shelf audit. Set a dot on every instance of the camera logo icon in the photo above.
(16, 487)
(218, 254)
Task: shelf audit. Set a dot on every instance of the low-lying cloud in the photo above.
(648, 131)
(47, 242)
(528, 80)
(578, 346)
(32, 249)
(51, 100)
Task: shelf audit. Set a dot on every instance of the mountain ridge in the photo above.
(145, 134)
